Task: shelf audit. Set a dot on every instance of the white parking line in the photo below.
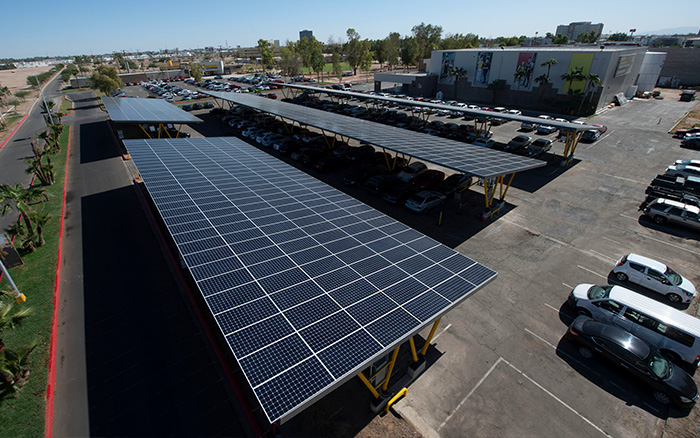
(567, 286)
(603, 255)
(542, 339)
(630, 217)
(613, 241)
(673, 245)
(626, 179)
(443, 331)
(593, 272)
(552, 307)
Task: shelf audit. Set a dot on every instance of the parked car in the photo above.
(668, 382)
(683, 170)
(691, 142)
(454, 183)
(545, 129)
(484, 142)
(399, 193)
(424, 201)
(663, 210)
(518, 142)
(680, 133)
(429, 179)
(380, 183)
(655, 276)
(590, 135)
(538, 147)
(411, 171)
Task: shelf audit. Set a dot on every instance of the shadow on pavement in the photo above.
(96, 142)
(149, 370)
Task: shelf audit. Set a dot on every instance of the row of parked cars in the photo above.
(690, 137)
(649, 340)
(398, 181)
(674, 196)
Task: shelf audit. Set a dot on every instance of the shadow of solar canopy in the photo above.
(307, 285)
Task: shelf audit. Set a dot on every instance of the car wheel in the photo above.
(621, 276)
(585, 352)
(659, 219)
(671, 356)
(662, 397)
(580, 311)
(674, 298)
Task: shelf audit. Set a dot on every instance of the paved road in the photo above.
(19, 148)
(131, 356)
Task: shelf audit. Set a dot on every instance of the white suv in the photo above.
(655, 276)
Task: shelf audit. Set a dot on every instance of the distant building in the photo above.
(306, 33)
(573, 30)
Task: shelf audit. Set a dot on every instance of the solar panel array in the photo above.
(131, 110)
(416, 103)
(462, 157)
(308, 285)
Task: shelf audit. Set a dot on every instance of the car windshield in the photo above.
(673, 276)
(598, 292)
(658, 364)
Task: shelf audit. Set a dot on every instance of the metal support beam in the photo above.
(367, 383)
(413, 349)
(572, 139)
(144, 131)
(391, 368)
(430, 337)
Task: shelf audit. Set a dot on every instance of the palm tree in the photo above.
(549, 63)
(541, 81)
(518, 77)
(17, 198)
(575, 74)
(592, 79)
(40, 218)
(47, 105)
(10, 319)
(457, 73)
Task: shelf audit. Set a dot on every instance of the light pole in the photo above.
(19, 297)
(41, 92)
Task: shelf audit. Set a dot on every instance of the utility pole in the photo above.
(41, 92)
(19, 297)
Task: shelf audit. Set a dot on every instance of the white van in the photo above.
(675, 333)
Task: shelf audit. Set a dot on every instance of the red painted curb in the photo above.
(14, 130)
(48, 423)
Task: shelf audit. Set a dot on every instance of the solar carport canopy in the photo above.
(133, 110)
(463, 110)
(456, 155)
(307, 285)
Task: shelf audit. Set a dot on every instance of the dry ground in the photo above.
(16, 80)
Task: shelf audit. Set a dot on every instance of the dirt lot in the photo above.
(16, 80)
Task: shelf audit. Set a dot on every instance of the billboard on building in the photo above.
(483, 68)
(526, 63)
(624, 65)
(583, 62)
(446, 66)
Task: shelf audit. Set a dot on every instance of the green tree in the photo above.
(459, 41)
(22, 94)
(22, 200)
(518, 77)
(354, 49)
(337, 68)
(551, 62)
(14, 103)
(378, 48)
(10, 318)
(592, 79)
(318, 62)
(14, 368)
(427, 37)
(196, 72)
(43, 172)
(575, 74)
(393, 47)
(47, 105)
(541, 81)
(4, 94)
(106, 79)
(409, 51)
(266, 53)
(560, 39)
(618, 36)
(304, 49)
(290, 61)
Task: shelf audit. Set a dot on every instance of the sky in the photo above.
(79, 27)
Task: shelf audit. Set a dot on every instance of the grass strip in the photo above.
(23, 415)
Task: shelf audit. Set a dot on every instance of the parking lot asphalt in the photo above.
(502, 366)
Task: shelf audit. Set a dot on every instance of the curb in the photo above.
(21, 122)
(48, 419)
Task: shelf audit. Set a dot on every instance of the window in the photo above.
(656, 275)
(637, 267)
(609, 305)
(675, 334)
(640, 319)
(675, 211)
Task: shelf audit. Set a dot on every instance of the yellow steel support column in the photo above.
(413, 349)
(430, 337)
(369, 386)
(179, 127)
(145, 132)
(572, 139)
(487, 198)
(160, 125)
(391, 368)
(503, 193)
(386, 158)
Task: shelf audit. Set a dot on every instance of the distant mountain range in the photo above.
(671, 31)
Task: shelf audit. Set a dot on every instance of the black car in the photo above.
(668, 381)
(454, 183)
(399, 193)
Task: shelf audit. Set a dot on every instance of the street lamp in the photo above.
(19, 296)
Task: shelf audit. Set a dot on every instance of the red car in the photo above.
(428, 179)
(601, 128)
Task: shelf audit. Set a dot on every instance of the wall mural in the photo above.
(447, 64)
(483, 68)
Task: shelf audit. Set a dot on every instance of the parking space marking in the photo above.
(603, 255)
(567, 286)
(551, 307)
(593, 272)
(630, 217)
(443, 331)
(542, 339)
(626, 179)
(613, 241)
(464, 400)
(673, 245)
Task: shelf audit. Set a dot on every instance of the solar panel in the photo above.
(416, 103)
(462, 157)
(307, 285)
(122, 109)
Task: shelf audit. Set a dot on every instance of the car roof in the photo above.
(636, 258)
(681, 205)
(655, 309)
(618, 336)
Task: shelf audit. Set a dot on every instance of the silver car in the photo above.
(674, 212)
(423, 201)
